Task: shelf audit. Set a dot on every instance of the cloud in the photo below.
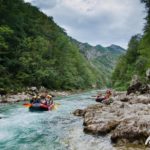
(96, 21)
(46, 4)
(29, 1)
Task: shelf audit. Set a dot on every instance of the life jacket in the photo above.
(107, 95)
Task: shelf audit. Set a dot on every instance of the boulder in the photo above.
(144, 89)
(102, 127)
(134, 88)
(32, 90)
(131, 130)
(137, 87)
(79, 112)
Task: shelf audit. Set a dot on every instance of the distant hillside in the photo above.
(103, 59)
(116, 49)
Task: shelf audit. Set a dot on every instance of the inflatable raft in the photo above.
(40, 107)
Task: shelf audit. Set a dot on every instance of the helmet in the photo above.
(34, 96)
(38, 97)
(108, 91)
(49, 96)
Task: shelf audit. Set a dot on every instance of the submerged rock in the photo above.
(79, 112)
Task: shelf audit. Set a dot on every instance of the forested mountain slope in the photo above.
(137, 59)
(35, 51)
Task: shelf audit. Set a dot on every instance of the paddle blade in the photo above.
(27, 105)
(55, 107)
(57, 104)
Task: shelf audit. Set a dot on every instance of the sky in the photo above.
(103, 22)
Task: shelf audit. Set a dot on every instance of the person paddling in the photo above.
(33, 99)
(107, 96)
(99, 98)
(49, 99)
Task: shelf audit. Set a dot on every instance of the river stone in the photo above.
(79, 112)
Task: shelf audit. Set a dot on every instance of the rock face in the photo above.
(127, 119)
(136, 86)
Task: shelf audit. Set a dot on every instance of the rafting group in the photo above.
(43, 102)
(104, 99)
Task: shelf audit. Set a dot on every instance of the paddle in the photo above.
(56, 105)
(27, 105)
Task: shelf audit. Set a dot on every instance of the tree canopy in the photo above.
(35, 51)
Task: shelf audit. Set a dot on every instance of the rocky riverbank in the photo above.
(126, 120)
(24, 96)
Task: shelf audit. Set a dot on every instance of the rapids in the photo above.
(52, 130)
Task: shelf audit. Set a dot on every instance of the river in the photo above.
(52, 130)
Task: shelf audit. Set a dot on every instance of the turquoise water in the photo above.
(52, 130)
